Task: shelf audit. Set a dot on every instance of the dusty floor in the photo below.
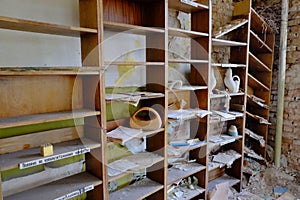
(263, 181)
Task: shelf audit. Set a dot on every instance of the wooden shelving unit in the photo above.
(146, 19)
(67, 106)
(58, 105)
(231, 36)
(261, 53)
(197, 65)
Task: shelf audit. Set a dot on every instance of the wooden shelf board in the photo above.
(257, 117)
(143, 134)
(190, 148)
(257, 21)
(58, 188)
(257, 45)
(225, 178)
(186, 33)
(41, 27)
(225, 65)
(187, 61)
(189, 193)
(45, 117)
(256, 84)
(178, 5)
(215, 96)
(112, 178)
(128, 28)
(134, 63)
(175, 174)
(232, 28)
(221, 42)
(189, 88)
(12, 160)
(257, 64)
(27, 71)
(139, 190)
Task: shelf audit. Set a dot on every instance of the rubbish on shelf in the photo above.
(222, 139)
(182, 189)
(146, 118)
(232, 82)
(191, 142)
(224, 116)
(232, 131)
(227, 158)
(249, 152)
(186, 114)
(133, 163)
(221, 31)
(256, 137)
(123, 134)
(46, 150)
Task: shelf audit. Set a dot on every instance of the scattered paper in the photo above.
(123, 134)
(227, 158)
(256, 137)
(186, 114)
(221, 192)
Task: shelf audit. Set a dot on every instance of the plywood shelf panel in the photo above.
(225, 65)
(139, 190)
(257, 65)
(12, 160)
(225, 178)
(229, 43)
(257, 45)
(179, 5)
(33, 71)
(41, 27)
(45, 117)
(188, 61)
(215, 96)
(128, 28)
(186, 33)
(134, 63)
(257, 23)
(233, 25)
(59, 188)
(175, 174)
(256, 84)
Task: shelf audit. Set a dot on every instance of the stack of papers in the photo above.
(123, 134)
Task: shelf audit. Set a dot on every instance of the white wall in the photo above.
(32, 49)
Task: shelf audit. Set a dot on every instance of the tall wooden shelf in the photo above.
(66, 106)
(197, 66)
(261, 55)
(232, 37)
(37, 101)
(147, 19)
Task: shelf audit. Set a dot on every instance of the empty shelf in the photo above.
(256, 84)
(128, 28)
(139, 190)
(257, 65)
(258, 23)
(229, 43)
(31, 156)
(41, 27)
(27, 71)
(175, 174)
(257, 45)
(74, 185)
(187, 5)
(123, 63)
(187, 61)
(45, 117)
(225, 178)
(232, 26)
(186, 33)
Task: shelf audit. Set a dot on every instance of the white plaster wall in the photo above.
(19, 48)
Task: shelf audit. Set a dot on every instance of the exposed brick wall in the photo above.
(291, 123)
